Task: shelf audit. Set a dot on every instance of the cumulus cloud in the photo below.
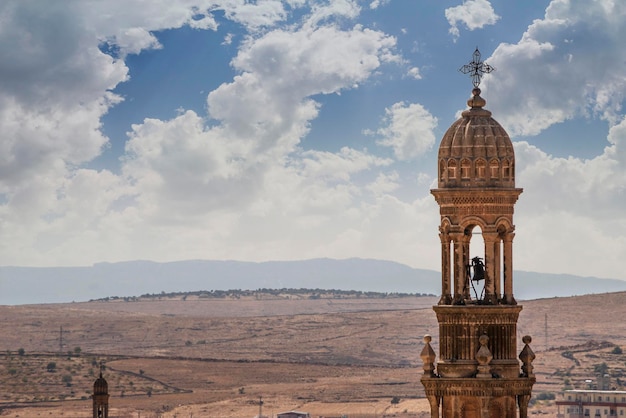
(557, 71)
(236, 182)
(546, 241)
(408, 130)
(216, 185)
(474, 14)
(54, 87)
(572, 203)
(182, 166)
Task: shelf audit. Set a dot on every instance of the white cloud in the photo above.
(321, 13)
(235, 183)
(408, 130)
(254, 15)
(414, 72)
(474, 14)
(571, 204)
(181, 166)
(193, 190)
(385, 183)
(568, 64)
(228, 39)
(375, 4)
(269, 101)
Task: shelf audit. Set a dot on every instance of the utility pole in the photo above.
(546, 331)
(61, 340)
(260, 406)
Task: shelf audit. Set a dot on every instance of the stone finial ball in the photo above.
(483, 340)
(427, 338)
(527, 339)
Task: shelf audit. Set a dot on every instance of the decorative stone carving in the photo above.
(484, 357)
(428, 357)
(527, 356)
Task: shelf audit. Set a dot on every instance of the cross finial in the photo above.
(476, 68)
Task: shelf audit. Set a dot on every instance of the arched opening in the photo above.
(481, 169)
(476, 263)
(451, 170)
(465, 169)
(494, 170)
(506, 170)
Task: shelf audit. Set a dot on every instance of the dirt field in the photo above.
(330, 357)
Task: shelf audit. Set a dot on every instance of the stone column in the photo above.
(446, 291)
(459, 268)
(522, 402)
(490, 267)
(497, 271)
(434, 406)
(508, 269)
(466, 260)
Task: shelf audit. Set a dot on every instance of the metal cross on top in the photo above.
(476, 68)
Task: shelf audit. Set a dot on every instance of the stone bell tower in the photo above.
(478, 374)
(100, 398)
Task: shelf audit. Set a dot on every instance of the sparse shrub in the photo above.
(616, 350)
(545, 396)
(21, 352)
(77, 350)
(395, 400)
(51, 367)
(188, 343)
(242, 391)
(67, 379)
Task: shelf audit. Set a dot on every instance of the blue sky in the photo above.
(282, 130)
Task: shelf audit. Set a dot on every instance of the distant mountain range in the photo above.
(29, 285)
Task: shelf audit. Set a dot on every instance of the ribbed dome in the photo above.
(100, 386)
(476, 151)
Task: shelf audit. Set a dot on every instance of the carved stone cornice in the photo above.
(476, 196)
(477, 387)
(477, 314)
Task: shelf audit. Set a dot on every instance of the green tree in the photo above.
(600, 369)
(617, 350)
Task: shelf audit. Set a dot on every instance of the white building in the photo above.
(591, 403)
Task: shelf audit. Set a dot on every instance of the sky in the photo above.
(296, 129)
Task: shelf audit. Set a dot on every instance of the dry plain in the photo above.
(189, 356)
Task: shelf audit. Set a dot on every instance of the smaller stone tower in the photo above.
(100, 398)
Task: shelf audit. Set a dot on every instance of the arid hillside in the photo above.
(188, 356)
